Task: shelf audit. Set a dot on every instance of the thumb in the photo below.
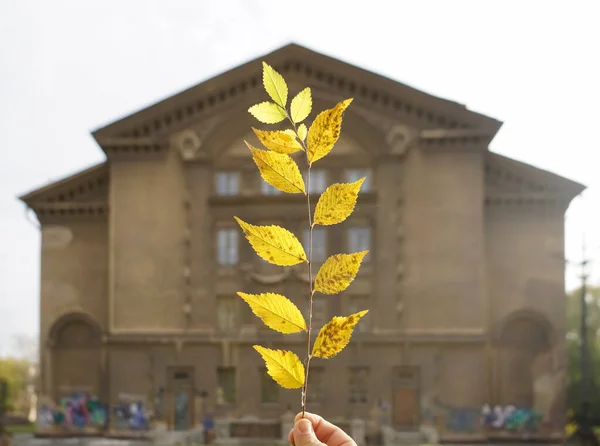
(304, 434)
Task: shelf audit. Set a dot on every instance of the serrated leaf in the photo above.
(279, 170)
(301, 106)
(302, 132)
(278, 141)
(275, 85)
(274, 244)
(338, 272)
(325, 131)
(335, 335)
(267, 112)
(337, 203)
(283, 366)
(276, 311)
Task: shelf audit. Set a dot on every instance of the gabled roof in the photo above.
(92, 181)
(534, 179)
(296, 62)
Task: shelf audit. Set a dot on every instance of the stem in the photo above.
(311, 292)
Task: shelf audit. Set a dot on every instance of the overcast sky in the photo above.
(69, 67)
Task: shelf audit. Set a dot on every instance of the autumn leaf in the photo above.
(338, 272)
(275, 85)
(276, 311)
(302, 132)
(268, 112)
(335, 335)
(337, 203)
(278, 141)
(301, 106)
(325, 131)
(279, 170)
(274, 244)
(283, 366)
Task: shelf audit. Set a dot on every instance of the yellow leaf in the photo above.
(283, 366)
(276, 311)
(325, 131)
(278, 141)
(279, 170)
(335, 335)
(275, 85)
(274, 244)
(338, 272)
(301, 106)
(302, 132)
(337, 203)
(267, 112)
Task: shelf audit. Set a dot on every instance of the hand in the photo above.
(313, 430)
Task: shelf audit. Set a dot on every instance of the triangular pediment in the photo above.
(242, 86)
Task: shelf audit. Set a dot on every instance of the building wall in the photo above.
(147, 230)
(444, 240)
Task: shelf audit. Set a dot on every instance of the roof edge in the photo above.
(28, 197)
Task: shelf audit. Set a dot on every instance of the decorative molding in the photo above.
(126, 148)
(71, 210)
(251, 275)
(305, 67)
(190, 142)
(456, 139)
(398, 136)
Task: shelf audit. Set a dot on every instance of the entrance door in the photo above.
(181, 394)
(405, 388)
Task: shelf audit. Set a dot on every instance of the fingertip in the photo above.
(304, 426)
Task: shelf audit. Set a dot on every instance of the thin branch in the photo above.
(310, 278)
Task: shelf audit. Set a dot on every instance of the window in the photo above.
(318, 181)
(356, 304)
(227, 313)
(359, 239)
(227, 246)
(226, 391)
(319, 316)
(358, 385)
(353, 175)
(227, 183)
(316, 385)
(269, 389)
(267, 189)
(319, 244)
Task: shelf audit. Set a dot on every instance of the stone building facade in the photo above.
(141, 260)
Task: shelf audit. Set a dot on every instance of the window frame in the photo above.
(227, 401)
(235, 246)
(233, 303)
(264, 378)
(267, 190)
(352, 370)
(305, 241)
(352, 249)
(368, 173)
(235, 174)
(312, 183)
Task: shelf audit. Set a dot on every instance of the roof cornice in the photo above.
(317, 70)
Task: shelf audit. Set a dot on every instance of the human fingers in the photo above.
(324, 431)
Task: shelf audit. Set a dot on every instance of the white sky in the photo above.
(69, 67)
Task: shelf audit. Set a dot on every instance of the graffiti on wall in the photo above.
(77, 411)
(510, 418)
(462, 420)
(129, 414)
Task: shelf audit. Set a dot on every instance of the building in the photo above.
(141, 260)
